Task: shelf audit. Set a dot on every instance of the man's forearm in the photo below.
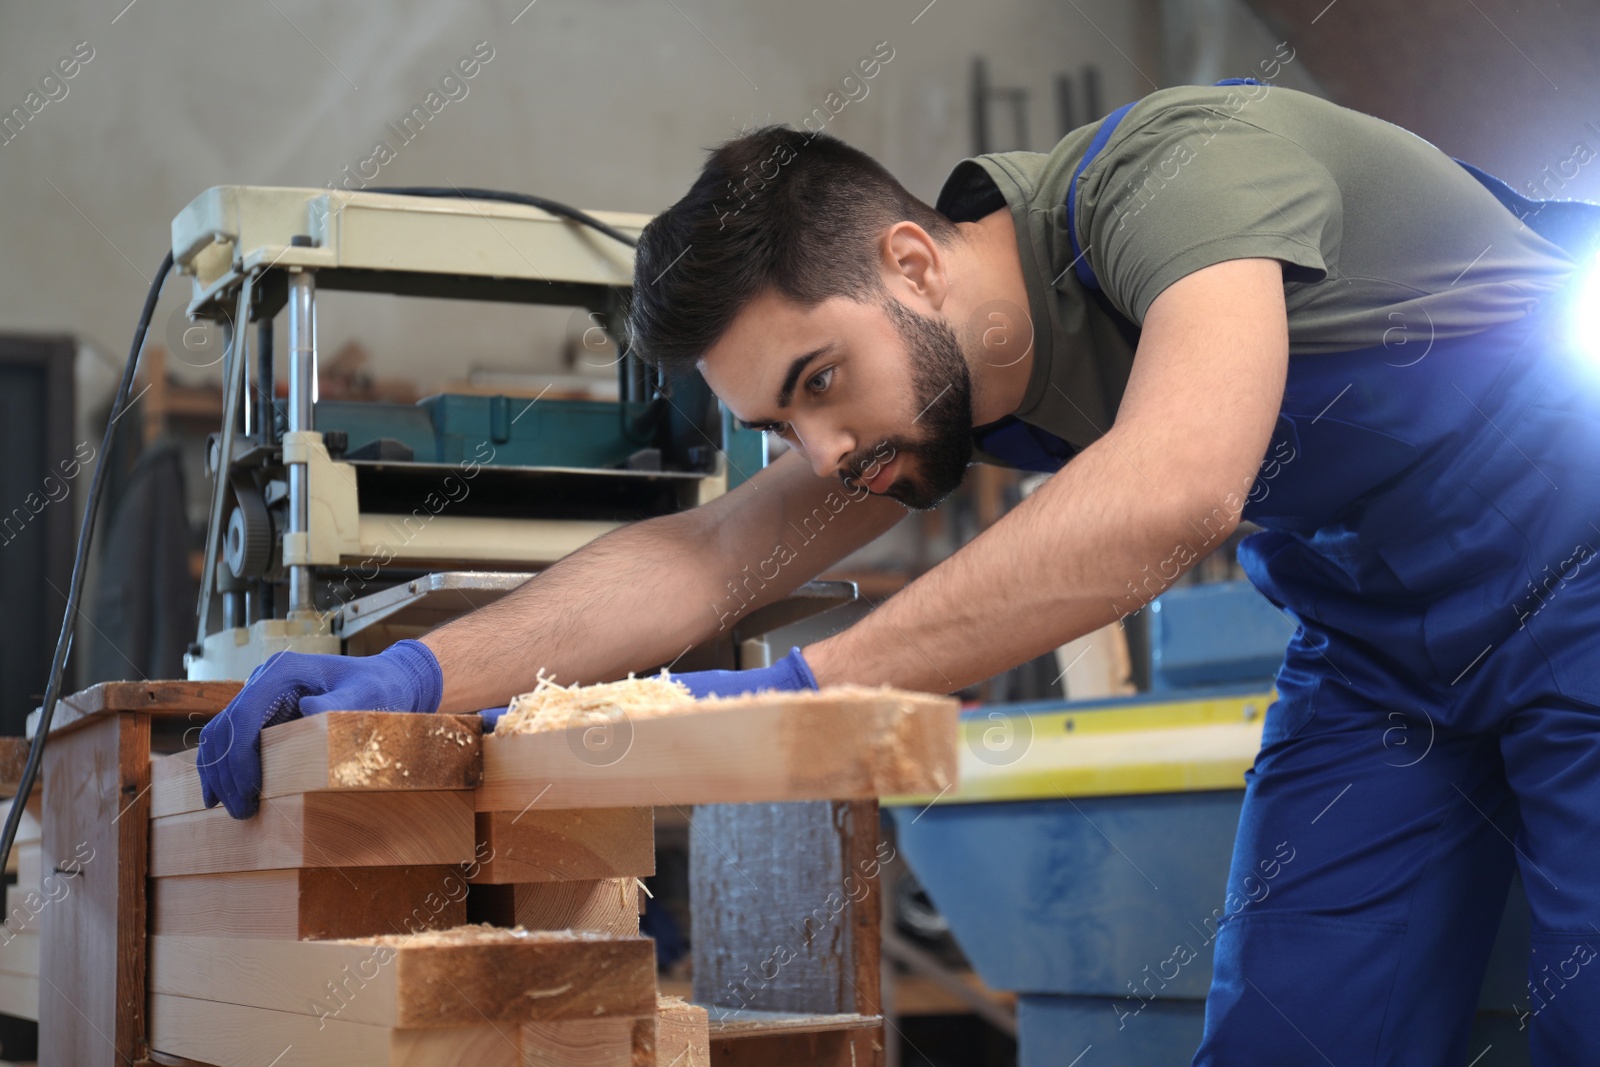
(1091, 545)
(628, 601)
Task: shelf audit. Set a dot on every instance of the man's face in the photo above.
(874, 393)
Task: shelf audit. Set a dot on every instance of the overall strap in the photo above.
(1108, 125)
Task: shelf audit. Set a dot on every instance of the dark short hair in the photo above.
(774, 209)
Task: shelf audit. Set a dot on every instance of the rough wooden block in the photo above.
(841, 743)
(451, 978)
(236, 1035)
(318, 830)
(564, 845)
(683, 1036)
(310, 902)
(608, 905)
(785, 906)
(342, 751)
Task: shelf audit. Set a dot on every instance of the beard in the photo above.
(942, 389)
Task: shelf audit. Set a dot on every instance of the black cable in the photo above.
(85, 533)
(554, 207)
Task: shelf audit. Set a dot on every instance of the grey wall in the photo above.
(604, 104)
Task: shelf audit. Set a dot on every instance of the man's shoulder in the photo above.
(978, 185)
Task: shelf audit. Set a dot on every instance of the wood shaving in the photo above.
(359, 769)
(552, 706)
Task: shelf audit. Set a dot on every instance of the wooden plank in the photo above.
(864, 850)
(239, 1036)
(452, 978)
(565, 845)
(855, 744)
(732, 1024)
(785, 906)
(342, 750)
(683, 1036)
(607, 905)
(310, 902)
(169, 699)
(318, 830)
(92, 965)
(19, 995)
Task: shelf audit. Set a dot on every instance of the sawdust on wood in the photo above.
(552, 706)
(360, 768)
(474, 934)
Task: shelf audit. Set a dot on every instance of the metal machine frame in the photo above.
(252, 251)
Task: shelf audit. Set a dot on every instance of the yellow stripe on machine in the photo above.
(1111, 749)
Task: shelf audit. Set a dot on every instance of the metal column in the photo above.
(302, 390)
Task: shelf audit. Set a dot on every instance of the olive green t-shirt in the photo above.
(1385, 239)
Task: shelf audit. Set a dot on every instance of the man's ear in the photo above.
(914, 266)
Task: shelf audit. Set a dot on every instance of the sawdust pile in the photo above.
(552, 706)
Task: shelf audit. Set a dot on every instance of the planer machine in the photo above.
(339, 526)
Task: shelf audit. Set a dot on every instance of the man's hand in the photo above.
(403, 677)
(790, 674)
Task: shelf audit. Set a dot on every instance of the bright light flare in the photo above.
(1586, 318)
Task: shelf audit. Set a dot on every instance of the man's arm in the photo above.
(640, 595)
(1163, 487)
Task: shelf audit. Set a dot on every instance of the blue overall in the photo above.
(1430, 520)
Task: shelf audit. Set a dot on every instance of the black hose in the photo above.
(75, 590)
(554, 207)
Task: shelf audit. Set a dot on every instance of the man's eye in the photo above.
(820, 380)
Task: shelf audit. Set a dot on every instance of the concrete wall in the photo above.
(604, 104)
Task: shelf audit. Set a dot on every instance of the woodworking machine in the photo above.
(341, 526)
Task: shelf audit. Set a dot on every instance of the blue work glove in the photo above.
(791, 673)
(403, 677)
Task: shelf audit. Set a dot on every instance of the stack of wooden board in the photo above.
(329, 927)
(413, 892)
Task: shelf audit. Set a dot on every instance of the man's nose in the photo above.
(827, 448)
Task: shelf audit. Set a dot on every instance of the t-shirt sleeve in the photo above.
(1193, 186)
